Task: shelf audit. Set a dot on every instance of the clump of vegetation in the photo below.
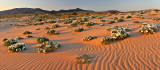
(120, 20)
(9, 42)
(52, 32)
(17, 47)
(88, 38)
(27, 32)
(83, 59)
(117, 33)
(101, 24)
(73, 24)
(55, 25)
(47, 46)
(156, 19)
(46, 28)
(42, 39)
(102, 20)
(111, 21)
(29, 36)
(136, 22)
(4, 39)
(148, 28)
(38, 29)
(129, 16)
(88, 24)
(78, 29)
(115, 18)
(68, 21)
(19, 38)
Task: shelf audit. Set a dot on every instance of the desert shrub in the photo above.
(136, 22)
(155, 19)
(85, 19)
(106, 40)
(101, 24)
(83, 59)
(19, 38)
(115, 18)
(117, 33)
(88, 38)
(52, 32)
(27, 32)
(38, 29)
(47, 47)
(73, 24)
(10, 42)
(68, 21)
(17, 47)
(4, 39)
(29, 36)
(148, 28)
(129, 16)
(46, 28)
(120, 20)
(52, 21)
(78, 29)
(88, 24)
(102, 20)
(122, 17)
(42, 39)
(55, 25)
(111, 21)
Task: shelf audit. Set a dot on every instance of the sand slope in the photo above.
(139, 52)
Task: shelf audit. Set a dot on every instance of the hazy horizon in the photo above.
(95, 5)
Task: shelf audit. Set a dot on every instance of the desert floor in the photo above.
(138, 52)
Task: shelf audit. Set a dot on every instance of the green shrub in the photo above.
(47, 47)
(17, 47)
(78, 29)
(88, 24)
(55, 25)
(148, 28)
(10, 42)
(52, 32)
(120, 20)
(111, 21)
(42, 39)
(27, 32)
(29, 36)
(19, 38)
(88, 38)
(136, 22)
(129, 16)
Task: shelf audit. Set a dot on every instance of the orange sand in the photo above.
(138, 52)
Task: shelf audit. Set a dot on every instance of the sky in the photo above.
(96, 5)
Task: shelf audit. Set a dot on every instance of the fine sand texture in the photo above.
(138, 52)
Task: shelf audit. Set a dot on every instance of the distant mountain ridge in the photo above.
(38, 10)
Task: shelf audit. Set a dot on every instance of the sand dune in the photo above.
(138, 52)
